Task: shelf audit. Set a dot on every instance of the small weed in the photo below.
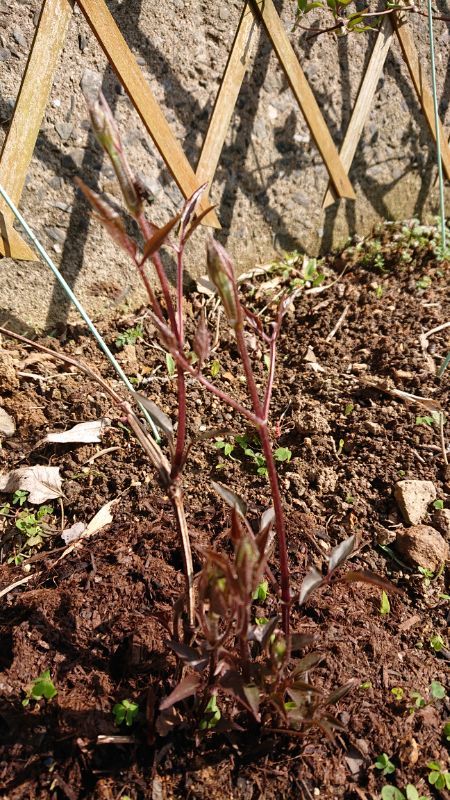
(130, 336)
(437, 777)
(411, 793)
(261, 592)
(19, 497)
(427, 575)
(437, 691)
(348, 409)
(437, 643)
(41, 688)
(424, 282)
(215, 368)
(31, 524)
(212, 715)
(438, 505)
(366, 685)
(398, 693)
(170, 365)
(125, 711)
(384, 763)
(446, 731)
(385, 606)
(426, 420)
(249, 444)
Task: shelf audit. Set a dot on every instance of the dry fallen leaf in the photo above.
(73, 533)
(83, 433)
(42, 483)
(7, 424)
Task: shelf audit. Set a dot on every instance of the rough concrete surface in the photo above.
(270, 182)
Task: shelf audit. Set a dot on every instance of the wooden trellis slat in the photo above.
(368, 86)
(227, 96)
(363, 102)
(127, 70)
(304, 96)
(410, 54)
(30, 108)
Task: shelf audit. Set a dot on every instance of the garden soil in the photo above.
(100, 618)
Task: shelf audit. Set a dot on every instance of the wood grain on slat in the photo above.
(304, 96)
(406, 39)
(124, 64)
(29, 110)
(227, 95)
(363, 102)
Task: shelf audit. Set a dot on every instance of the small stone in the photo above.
(19, 38)
(224, 13)
(413, 498)
(7, 424)
(141, 61)
(82, 42)
(422, 546)
(55, 233)
(441, 521)
(64, 130)
(372, 427)
(55, 182)
(5, 54)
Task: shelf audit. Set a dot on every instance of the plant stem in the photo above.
(279, 524)
(269, 387)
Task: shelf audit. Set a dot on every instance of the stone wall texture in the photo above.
(270, 181)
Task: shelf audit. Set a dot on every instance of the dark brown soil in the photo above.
(99, 618)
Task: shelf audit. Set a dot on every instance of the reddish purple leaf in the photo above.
(189, 209)
(338, 694)
(312, 580)
(109, 218)
(230, 498)
(307, 663)
(340, 553)
(158, 238)
(202, 340)
(366, 576)
(187, 687)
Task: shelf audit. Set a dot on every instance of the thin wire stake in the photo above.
(436, 126)
(100, 341)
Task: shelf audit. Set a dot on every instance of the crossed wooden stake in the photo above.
(43, 61)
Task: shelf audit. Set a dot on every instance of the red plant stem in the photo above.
(279, 524)
(261, 425)
(269, 387)
(180, 320)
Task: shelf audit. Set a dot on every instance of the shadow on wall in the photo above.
(232, 171)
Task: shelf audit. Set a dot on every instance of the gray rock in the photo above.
(413, 498)
(5, 54)
(422, 546)
(64, 130)
(19, 38)
(56, 234)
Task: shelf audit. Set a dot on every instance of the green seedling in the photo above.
(384, 764)
(340, 447)
(398, 693)
(446, 731)
(418, 700)
(411, 793)
(385, 606)
(437, 691)
(226, 447)
(261, 592)
(427, 575)
(366, 685)
(42, 688)
(438, 505)
(125, 711)
(212, 715)
(348, 409)
(437, 643)
(426, 420)
(437, 777)
(19, 497)
(170, 365)
(424, 282)
(131, 336)
(215, 368)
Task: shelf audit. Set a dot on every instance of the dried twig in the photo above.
(338, 324)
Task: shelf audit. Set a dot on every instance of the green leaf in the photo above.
(283, 454)
(215, 368)
(261, 592)
(437, 690)
(437, 643)
(42, 688)
(170, 364)
(384, 763)
(398, 692)
(447, 731)
(348, 409)
(125, 711)
(385, 606)
(391, 793)
(212, 714)
(438, 505)
(424, 420)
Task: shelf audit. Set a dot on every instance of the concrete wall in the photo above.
(270, 181)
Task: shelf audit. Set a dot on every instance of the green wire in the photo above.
(436, 125)
(100, 341)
